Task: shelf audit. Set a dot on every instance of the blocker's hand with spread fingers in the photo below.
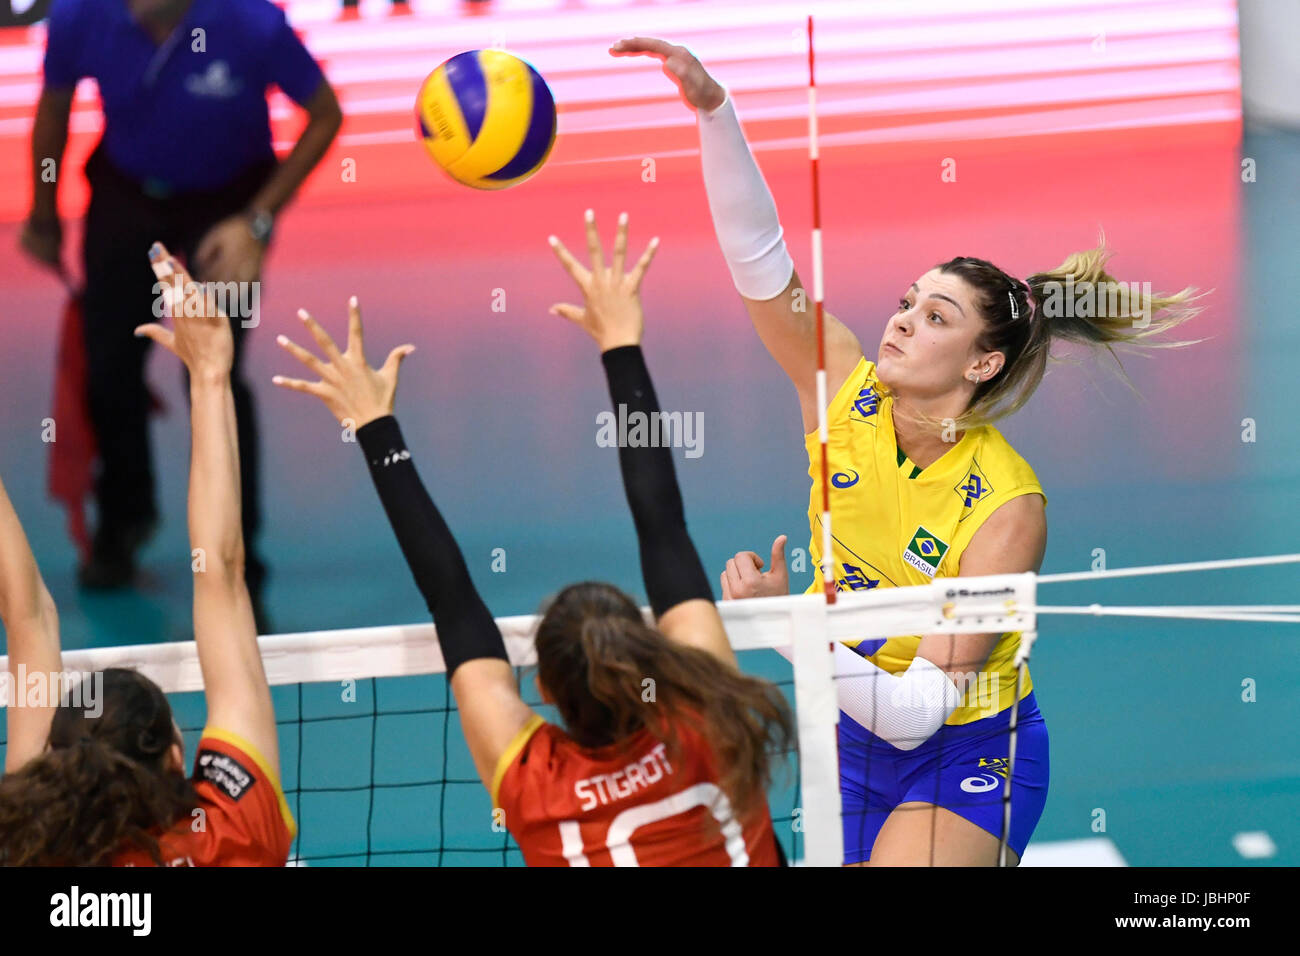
(611, 303)
(352, 390)
(698, 89)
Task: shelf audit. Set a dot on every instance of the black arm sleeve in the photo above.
(670, 564)
(466, 629)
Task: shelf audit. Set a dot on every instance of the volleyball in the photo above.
(487, 118)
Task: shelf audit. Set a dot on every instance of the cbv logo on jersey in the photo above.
(925, 551)
(855, 579)
(868, 402)
(972, 489)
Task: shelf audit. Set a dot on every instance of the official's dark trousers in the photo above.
(124, 218)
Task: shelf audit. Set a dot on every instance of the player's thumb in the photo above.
(157, 333)
(395, 358)
(573, 313)
(778, 553)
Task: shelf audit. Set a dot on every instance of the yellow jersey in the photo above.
(896, 524)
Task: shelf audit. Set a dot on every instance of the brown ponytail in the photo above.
(104, 783)
(610, 675)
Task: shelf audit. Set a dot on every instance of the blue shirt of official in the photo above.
(190, 113)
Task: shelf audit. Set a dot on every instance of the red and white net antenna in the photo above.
(828, 559)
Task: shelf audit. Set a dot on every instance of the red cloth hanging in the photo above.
(72, 454)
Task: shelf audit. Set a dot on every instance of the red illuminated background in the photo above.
(1060, 117)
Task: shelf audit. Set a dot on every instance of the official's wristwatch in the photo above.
(260, 223)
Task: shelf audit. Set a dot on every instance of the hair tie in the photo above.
(1029, 300)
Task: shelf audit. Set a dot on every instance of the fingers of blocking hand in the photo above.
(594, 253)
(639, 270)
(620, 246)
(321, 336)
(299, 385)
(356, 342)
(301, 354)
(571, 265)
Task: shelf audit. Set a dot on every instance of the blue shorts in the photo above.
(957, 769)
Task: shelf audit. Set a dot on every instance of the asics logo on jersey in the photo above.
(845, 479)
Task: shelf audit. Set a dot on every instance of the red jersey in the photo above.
(242, 818)
(622, 805)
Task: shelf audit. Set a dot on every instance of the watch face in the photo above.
(260, 226)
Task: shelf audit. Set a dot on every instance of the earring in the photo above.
(975, 378)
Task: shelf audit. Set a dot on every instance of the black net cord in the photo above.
(374, 731)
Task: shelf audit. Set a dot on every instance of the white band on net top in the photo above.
(949, 605)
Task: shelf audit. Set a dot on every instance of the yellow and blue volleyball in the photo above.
(487, 118)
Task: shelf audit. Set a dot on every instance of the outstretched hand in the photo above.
(699, 90)
(202, 337)
(354, 392)
(611, 303)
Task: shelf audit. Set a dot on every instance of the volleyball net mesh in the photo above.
(377, 773)
(373, 759)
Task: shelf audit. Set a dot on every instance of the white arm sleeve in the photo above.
(904, 709)
(744, 213)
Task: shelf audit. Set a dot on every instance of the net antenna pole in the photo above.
(816, 703)
(828, 560)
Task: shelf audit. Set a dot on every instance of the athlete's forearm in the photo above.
(324, 120)
(750, 237)
(49, 140)
(744, 213)
(214, 496)
(466, 629)
(670, 565)
(23, 596)
(32, 632)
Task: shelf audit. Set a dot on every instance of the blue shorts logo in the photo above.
(993, 772)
